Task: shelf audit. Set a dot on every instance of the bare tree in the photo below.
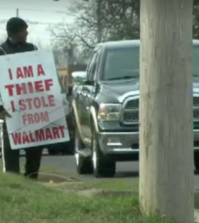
(166, 109)
(118, 19)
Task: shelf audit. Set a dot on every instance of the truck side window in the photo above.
(90, 66)
(94, 65)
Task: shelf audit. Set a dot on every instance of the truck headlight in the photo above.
(109, 112)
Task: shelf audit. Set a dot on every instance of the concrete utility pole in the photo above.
(98, 14)
(17, 12)
(166, 109)
(99, 26)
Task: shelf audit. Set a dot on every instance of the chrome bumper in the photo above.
(119, 142)
(126, 142)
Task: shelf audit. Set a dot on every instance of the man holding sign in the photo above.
(33, 108)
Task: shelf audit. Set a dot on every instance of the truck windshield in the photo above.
(123, 63)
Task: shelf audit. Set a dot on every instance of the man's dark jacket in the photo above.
(9, 48)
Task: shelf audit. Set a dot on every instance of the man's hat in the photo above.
(15, 25)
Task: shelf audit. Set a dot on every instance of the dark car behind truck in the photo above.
(106, 108)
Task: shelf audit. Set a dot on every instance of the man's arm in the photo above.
(2, 51)
(1, 103)
(3, 112)
(34, 47)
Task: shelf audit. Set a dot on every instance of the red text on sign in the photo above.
(26, 72)
(12, 106)
(29, 87)
(35, 118)
(40, 135)
(37, 102)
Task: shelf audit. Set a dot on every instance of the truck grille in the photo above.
(196, 114)
(196, 101)
(133, 104)
(196, 109)
(131, 111)
(131, 117)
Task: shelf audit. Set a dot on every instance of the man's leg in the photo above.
(10, 158)
(33, 161)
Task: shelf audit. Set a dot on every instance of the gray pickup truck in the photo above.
(106, 108)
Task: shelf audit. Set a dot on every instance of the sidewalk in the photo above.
(196, 215)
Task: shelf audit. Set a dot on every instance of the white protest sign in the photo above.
(31, 93)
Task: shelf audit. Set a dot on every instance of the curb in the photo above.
(104, 193)
(56, 179)
(90, 193)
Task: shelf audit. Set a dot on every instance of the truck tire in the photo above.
(83, 164)
(196, 160)
(103, 165)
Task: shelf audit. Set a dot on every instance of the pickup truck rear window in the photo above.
(123, 63)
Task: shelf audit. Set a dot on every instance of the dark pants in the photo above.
(11, 162)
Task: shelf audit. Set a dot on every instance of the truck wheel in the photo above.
(103, 165)
(196, 160)
(83, 164)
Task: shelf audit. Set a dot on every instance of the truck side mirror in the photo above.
(70, 90)
(89, 82)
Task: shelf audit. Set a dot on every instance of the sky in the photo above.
(40, 13)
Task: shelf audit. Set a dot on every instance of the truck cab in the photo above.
(106, 108)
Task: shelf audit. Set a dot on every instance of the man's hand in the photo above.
(4, 114)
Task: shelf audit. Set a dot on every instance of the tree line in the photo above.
(99, 21)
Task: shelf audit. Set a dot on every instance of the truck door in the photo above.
(91, 89)
(83, 98)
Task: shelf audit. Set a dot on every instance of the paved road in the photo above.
(67, 164)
